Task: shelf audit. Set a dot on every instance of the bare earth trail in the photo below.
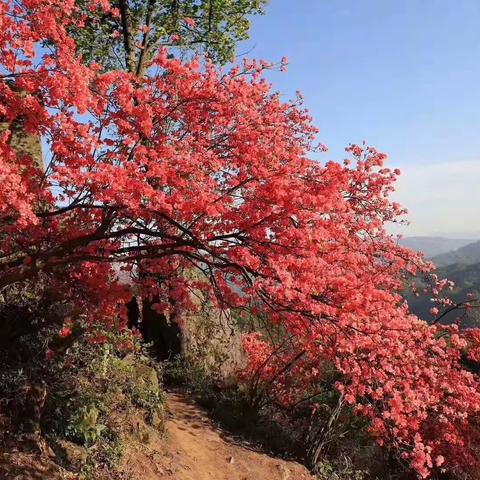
(194, 449)
(191, 449)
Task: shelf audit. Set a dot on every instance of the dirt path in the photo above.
(194, 449)
(191, 449)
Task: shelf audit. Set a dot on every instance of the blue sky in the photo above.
(403, 75)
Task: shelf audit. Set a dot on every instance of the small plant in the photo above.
(85, 426)
(99, 385)
(343, 470)
(193, 377)
(113, 448)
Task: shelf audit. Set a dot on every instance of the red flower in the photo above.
(190, 22)
(65, 332)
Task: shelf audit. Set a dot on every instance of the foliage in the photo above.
(92, 389)
(327, 471)
(85, 425)
(92, 400)
(290, 376)
(346, 448)
(212, 26)
(180, 372)
(104, 375)
(193, 167)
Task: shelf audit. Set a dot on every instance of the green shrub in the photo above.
(93, 387)
(84, 426)
(341, 470)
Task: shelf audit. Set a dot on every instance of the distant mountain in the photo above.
(433, 246)
(466, 255)
(461, 265)
(467, 280)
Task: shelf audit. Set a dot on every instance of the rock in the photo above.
(157, 418)
(146, 378)
(75, 455)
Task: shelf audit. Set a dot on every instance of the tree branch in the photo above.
(128, 36)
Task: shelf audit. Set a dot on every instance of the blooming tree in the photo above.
(188, 166)
(129, 34)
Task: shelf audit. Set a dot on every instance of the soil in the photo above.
(195, 449)
(191, 448)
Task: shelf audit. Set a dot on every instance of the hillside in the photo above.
(433, 246)
(191, 449)
(466, 255)
(462, 266)
(467, 280)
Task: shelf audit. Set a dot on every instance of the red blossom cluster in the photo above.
(193, 167)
